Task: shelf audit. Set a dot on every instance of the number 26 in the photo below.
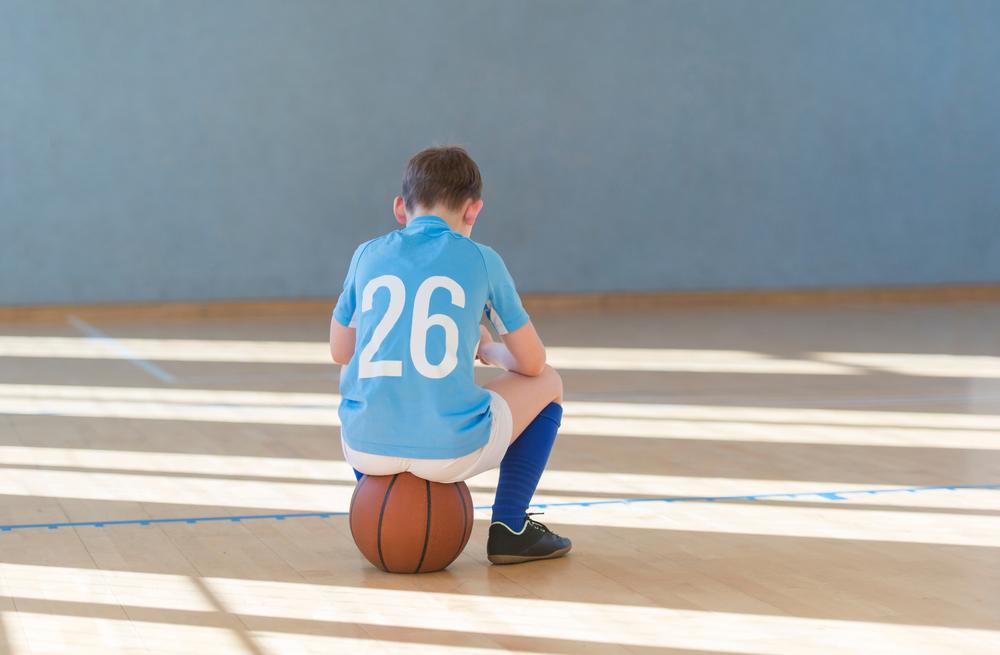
(422, 322)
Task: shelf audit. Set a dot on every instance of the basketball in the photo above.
(404, 524)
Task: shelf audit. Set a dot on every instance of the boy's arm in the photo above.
(522, 351)
(342, 342)
(343, 324)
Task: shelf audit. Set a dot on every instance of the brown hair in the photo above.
(444, 175)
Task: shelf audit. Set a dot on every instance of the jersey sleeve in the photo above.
(503, 306)
(346, 311)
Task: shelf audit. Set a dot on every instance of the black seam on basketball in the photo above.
(465, 521)
(381, 515)
(427, 530)
(350, 512)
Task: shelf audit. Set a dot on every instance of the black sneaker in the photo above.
(534, 541)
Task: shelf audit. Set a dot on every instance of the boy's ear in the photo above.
(472, 212)
(399, 210)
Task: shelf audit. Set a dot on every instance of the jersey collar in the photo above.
(427, 222)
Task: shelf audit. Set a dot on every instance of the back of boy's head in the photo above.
(442, 176)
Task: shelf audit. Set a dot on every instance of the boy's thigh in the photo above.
(527, 395)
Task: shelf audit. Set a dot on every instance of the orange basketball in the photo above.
(404, 524)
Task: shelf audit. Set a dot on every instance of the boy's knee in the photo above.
(555, 382)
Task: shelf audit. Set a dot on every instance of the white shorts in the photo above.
(445, 470)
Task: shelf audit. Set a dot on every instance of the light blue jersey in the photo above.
(416, 297)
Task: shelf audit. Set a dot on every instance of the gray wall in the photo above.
(240, 149)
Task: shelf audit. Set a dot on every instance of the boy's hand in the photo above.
(493, 353)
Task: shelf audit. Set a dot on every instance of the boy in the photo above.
(407, 329)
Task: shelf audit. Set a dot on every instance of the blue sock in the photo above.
(522, 467)
(358, 474)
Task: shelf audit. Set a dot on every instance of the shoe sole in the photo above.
(520, 559)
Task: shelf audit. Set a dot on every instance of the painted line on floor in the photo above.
(825, 495)
(119, 349)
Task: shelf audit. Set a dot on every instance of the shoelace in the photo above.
(536, 524)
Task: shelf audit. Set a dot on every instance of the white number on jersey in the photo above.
(422, 322)
(397, 296)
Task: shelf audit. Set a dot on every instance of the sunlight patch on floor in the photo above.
(610, 419)
(159, 470)
(562, 357)
(318, 604)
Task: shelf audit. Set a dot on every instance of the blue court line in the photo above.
(826, 495)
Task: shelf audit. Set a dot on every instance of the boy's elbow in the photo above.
(340, 355)
(342, 340)
(533, 371)
(534, 366)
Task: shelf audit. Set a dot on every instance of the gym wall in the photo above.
(186, 150)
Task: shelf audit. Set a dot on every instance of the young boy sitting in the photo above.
(407, 328)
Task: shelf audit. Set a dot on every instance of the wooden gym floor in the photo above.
(817, 479)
